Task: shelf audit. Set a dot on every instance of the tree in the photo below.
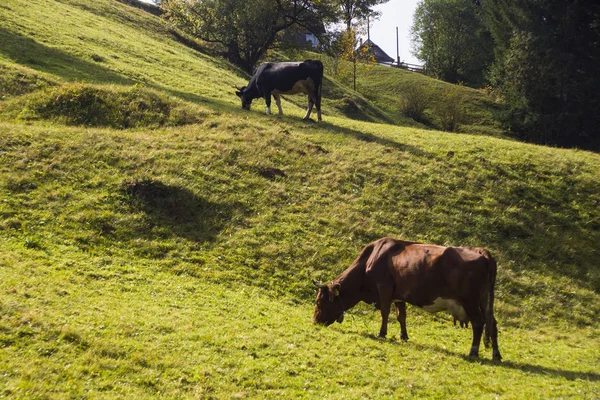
(244, 29)
(353, 10)
(351, 55)
(547, 63)
(449, 36)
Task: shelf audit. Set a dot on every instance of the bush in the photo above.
(449, 110)
(414, 102)
(115, 107)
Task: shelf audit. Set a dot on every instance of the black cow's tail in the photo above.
(490, 323)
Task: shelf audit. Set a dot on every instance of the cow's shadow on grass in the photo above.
(178, 209)
(391, 145)
(523, 367)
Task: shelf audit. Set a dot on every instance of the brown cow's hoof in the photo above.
(404, 337)
(496, 356)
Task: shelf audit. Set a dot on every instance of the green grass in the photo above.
(176, 262)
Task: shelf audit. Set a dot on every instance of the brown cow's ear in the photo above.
(334, 291)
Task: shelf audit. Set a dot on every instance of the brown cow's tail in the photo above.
(490, 325)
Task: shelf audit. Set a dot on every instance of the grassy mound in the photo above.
(16, 80)
(115, 107)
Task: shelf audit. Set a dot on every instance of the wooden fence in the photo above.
(411, 67)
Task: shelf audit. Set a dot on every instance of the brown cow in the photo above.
(436, 278)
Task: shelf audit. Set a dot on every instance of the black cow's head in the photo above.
(246, 99)
(329, 307)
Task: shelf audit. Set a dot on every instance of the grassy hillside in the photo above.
(174, 259)
(387, 87)
(388, 90)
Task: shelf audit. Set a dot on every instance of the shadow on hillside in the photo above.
(523, 367)
(178, 209)
(219, 105)
(349, 105)
(27, 51)
(368, 137)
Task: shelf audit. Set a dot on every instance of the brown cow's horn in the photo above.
(319, 284)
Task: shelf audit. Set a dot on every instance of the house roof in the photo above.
(380, 55)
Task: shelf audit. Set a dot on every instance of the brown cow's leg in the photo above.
(491, 334)
(494, 336)
(385, 296)
(401, 316)
(476, 317)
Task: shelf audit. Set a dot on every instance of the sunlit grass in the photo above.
(176, 262)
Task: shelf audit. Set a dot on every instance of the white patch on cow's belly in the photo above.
(452, 306)
(304, 86)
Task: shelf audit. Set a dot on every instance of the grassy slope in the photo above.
(163, 263)
(386, 86)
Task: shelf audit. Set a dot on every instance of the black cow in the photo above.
(285, 78)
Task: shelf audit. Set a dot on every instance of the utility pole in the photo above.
(397, 48)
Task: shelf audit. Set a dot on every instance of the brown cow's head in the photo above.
(329, 307)
(246, 100)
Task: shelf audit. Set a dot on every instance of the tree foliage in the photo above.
(244, 29)
(450, 38)
(356, 10)
(346, 50)
(547, 64)
(546, 58)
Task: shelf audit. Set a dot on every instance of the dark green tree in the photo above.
(449, 36)
(547, 68)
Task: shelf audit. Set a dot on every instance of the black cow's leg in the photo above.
(385, 296)
(268, 101)
(476, 317)
(310, 107)
(278, 102)
(318, 104)
(401, 316)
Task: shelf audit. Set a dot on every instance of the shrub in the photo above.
(414, 102)
(449, 110)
